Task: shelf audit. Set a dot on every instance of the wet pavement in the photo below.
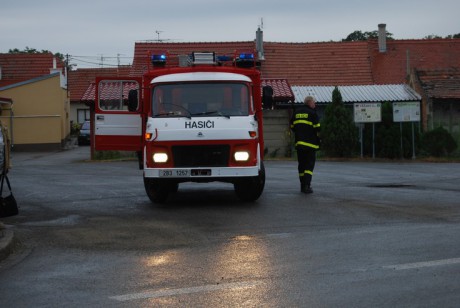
(372, 234)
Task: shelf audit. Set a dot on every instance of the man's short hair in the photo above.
(309, 99)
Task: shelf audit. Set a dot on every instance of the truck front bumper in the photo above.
(195, 173)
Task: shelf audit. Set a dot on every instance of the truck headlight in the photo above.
(160, 157)
(241, 156)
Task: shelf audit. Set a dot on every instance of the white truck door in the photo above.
(118, 114)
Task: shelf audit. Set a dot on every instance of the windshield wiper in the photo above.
(178, 113)
(219, 113)
(173, 113)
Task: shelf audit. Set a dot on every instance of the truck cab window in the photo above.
(200, 99)
(114, 94)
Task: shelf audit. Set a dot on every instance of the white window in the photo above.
(83, 115)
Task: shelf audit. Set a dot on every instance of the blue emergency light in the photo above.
(245, 60)
(158, 59)
(246, 56)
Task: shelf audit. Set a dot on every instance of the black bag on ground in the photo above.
(8, 205)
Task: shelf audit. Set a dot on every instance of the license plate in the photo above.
(175, 173)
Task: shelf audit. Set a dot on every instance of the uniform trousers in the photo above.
(306, 158)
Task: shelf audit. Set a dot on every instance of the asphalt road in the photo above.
(371, 235)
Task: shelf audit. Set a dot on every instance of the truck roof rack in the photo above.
(245, 59)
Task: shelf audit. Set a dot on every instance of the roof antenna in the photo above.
(260, 41)
(158, 35)
(261, 26)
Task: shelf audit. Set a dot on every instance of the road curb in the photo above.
(6, 242)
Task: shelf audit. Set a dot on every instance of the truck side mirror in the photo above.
(133, 100)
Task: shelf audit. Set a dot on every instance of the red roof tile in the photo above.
(79, 80)
(300, 63)
(320, 64)
(108, 91)
(444, 84)
(328, 63)
(282, 91)
(344, 63)
(391, 66)
(21, 67)
(89, 94)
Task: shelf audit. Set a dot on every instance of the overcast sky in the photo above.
(89, 30)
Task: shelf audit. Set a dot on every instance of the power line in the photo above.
(105, 57)
(101, 61)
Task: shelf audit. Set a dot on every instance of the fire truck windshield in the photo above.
(200, 99)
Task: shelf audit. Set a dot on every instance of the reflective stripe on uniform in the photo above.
(311, 145)
(317, 125)
(303, 122)
(306, 172)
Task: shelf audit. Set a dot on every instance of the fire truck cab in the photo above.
(198, 122)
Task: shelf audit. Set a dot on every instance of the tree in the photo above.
(356, 36)
(432, 37)
(453, 36)
(364, 36)
(338, 131)
(29, 50)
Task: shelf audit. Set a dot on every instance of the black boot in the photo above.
(302, 185)
(305, 188)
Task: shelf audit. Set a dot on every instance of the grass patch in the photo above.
(114, 155)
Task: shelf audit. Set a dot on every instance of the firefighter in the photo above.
(306, 127)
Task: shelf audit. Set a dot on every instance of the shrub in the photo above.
(338, 131)
(438, 142)
(388, 136)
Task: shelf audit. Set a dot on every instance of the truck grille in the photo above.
(201, 155)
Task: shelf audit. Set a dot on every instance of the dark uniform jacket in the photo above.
(305, 124)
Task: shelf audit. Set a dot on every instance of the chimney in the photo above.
(382, 38)
(54, 69)
(260, 44)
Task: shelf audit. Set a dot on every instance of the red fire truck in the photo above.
(196, 120)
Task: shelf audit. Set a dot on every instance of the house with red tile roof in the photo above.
(37, 117)
(361, 63)
(329, 63)
(18, 67)
(440, 90)
(394, 65)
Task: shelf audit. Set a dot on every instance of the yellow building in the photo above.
(39, 115)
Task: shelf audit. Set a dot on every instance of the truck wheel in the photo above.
(174, 187)
(251, 188)
(156, 190)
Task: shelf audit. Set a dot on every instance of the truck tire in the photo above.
(250, 189)
(157, 191)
